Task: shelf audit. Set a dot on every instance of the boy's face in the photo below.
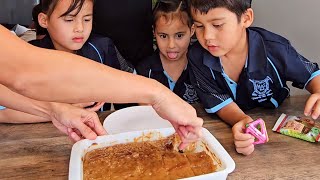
(219, 31)
(173, 38)
(70, 32)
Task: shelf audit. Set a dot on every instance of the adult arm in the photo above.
(13, 116)
(65, 77)
(57, 76)
(67, 118)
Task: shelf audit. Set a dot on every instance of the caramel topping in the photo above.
(145, 160)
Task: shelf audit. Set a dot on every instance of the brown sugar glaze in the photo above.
(145, 160)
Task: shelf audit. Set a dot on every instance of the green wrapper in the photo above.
(299, 127)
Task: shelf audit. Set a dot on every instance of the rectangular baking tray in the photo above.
(79, 149)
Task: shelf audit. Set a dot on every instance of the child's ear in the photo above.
(248, 17)
(43, 20)
(192, 30)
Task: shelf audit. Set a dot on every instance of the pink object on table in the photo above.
(257, 129)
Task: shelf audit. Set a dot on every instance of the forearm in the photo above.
(12, 116)
(314, 85)
(65, 77)
(232, 114)
(18, 102)
(99, 84)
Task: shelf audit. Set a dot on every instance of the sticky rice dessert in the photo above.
(147, 160)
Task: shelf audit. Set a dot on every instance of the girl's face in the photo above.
(70, 32)
(173, 38)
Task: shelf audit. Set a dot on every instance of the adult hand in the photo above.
(181, 115)
(76, 122)
(243, 141)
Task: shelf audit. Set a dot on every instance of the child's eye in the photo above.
(87, 20)
(217, 25)
(68, 19)
(163, 36)
(199, 26)
(179, 36)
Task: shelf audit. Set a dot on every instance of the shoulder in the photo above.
(148, 63)
(276, 47)
(196, 52)
(99, 40)
(269, 37)
(43, 43)
(102, 44)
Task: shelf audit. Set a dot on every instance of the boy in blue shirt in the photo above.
(236, 67)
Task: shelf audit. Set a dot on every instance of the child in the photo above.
(173, 29)
(236, 67)
(40, 32)
(69, 25)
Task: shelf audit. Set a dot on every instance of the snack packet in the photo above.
(299, 127)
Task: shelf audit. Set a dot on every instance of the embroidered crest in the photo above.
(261, 89)
(190, 94)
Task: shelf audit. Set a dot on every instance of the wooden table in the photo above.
(40, 151)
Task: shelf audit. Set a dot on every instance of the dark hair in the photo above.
(35, 12)
(236, 6)
(170, 9)
(49, 5)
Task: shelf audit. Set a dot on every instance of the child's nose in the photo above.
(172, 43)
(208, 34)
(78, 27)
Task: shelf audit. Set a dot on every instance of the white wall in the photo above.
(297, 20)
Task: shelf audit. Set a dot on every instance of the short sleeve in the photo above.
(211, 95)
(298, 69)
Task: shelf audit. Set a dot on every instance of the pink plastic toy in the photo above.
(257, 129)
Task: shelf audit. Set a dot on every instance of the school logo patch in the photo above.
(190, 94)
(261, 89)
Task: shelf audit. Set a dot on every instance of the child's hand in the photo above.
(243, 141)
(312, 107)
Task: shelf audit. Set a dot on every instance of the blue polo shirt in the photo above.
(97, 48)
(271, 62)
(2, 107)
(151, 67)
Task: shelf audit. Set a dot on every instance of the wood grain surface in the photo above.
(40, 151)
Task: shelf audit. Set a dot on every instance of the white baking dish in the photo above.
(135, 118)
(80, 148)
